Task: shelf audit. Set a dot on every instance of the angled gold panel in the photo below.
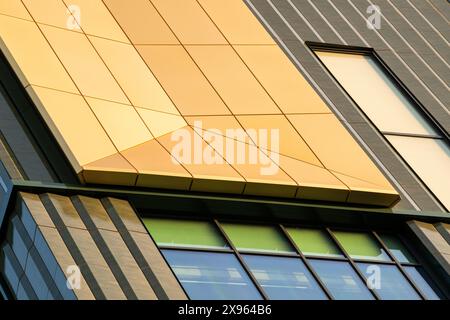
(96, 20)
(236, 22)
(336, 148)
(113, 169)
(157, 168)
(284, 83)
(189, 22)
(74, 125)
(121, 122)
(281, 136)
(161, 123)
(133, 75)
(14, 8)
(211, 177)
(226, 126)
(182, 80)
(52, 12)
(232, 80)
(315, 183)
(30, 55)
(141, 22)
(84, 65)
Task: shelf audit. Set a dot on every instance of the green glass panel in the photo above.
(184, 233)
(397, 248)
(314, 242)
(361, 245)
(257, 238)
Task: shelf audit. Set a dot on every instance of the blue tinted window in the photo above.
(341, 280)
(284, 278)
(392, 285)
(211, 276)
(423, 282)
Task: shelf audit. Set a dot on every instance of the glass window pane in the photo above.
(397, 248)
(314, 242)
(257, 238)
(361, 245)
(211, 276)
(341, 280)
(418, 152)
(392, 285)
(184, 233)
(375, 93)
(422, 280)
(284, 278)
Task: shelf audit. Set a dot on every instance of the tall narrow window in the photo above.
(420, 145)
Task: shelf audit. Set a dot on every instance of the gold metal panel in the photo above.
(316, 183)
(236, 22)
(52, 12)
(121, 122)
(214, 177)
(183, 80)
(284, 83)
(113, 170)
(118, 109)
(84, 65)
(96, 20)
(133, 75)
(289, 142)
(189, 22)
(232, 80)
(141, 22)
(336, 148)
(14, 8)
(161, 123)
(157, 168)
(74, 125)
(30, 55)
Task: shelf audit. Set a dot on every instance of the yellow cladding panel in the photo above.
(52, 12)
(96, 20)
(336, 148)
(189, 22)
(236, 22)
(161, 123)
(212, 177)
(141, 22)
(84, 65)
(276, 134)
(14, 8)
(133, 75)
(113, 169)
(74, 125)
(281, 79)
(157, 168)
(30, 55)
(183, 80)
(121, 122)
(316, 183)
(232, 80)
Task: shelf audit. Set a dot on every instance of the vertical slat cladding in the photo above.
(113, 248)
(442, 7)
(82, 247)
(145, 252)
(433, 16)
(433, 241)
(49, 244)
(348, 18)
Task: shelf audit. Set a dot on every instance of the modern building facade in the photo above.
(212, 149)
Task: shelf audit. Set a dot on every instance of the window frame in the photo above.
(442, 134)
(281, 226)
